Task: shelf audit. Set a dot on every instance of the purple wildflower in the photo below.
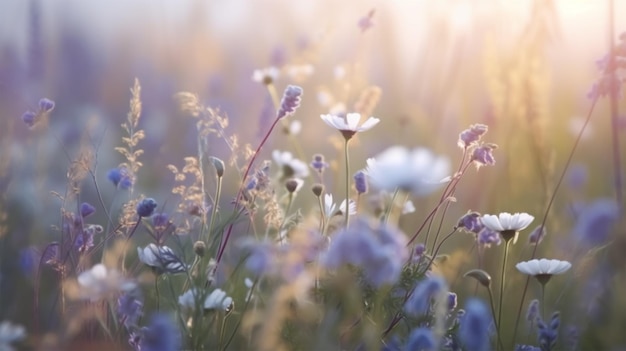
(360, 182)
(595, 221)
(471, 223)
(547, 334)
(261, 258)
(146, 207)
(486, 237)
(471, 136)
(532, 314)
(427, 290)
(474, 326)
(160, 221)
(537, 235)
(452, 301)
(86, 209)
(318, 163)
(483, 155)
(120, 177)
(377, 248)
(160, 335)
(29, 118)
(290, 102)
(422, 339)
(129, 309)
(46, 105)
(366, 22)
(418, 252)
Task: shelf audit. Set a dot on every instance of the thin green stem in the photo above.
(156, 289)
(502, 279)
(543, 301)
(391, 205)
(347, 209)
(493, 314)
(218, 194)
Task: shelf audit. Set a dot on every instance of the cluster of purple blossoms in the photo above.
(472, 223)
(160, 335)
(474, 326)
(377, 248)
(120, 177)
(430, 290)
(481, 153)
(31, 118)
(290, 102)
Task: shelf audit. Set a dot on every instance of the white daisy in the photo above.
(265, 75)
(349, 125)
(161, 258)
(216, 300)
(506, 221)
(508, 224)
(10, 333)
(331, 209)
(290, 166)
(100, 282)
(543, 267)
(418, 171)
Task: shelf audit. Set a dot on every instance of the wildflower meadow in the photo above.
(313, 175)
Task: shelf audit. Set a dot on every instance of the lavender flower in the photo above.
(474, 326)
(470, 222)
(483, 155)
(595, 221)
(86, 209)
(146, 207)
(360, 182)
(120, 177)
(452, 301)
(547, 334)
(318, 163)
(378, 248)
(29, 118)
(160, 335)
(429, 290)
(532, 313)
(487, 237)
(537, 235)
(422, 339)
(46, 105)
(290, 102)
(366, 21)
(470, 137)
(129, 309)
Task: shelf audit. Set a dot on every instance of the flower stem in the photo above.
(502, 279)
(347, 209)
(218, 193)
(493, 314)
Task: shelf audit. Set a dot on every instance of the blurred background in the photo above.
(524, 68)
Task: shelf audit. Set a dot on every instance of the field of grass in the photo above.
(314, 175)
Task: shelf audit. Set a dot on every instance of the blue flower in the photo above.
(427, 290)
(470, 222)
(160, 335)
(29, 118)
(596, 220)
(360, 182)
(86, 209)
(146, 207)
(377, 248)
(120, 177)
(486, 237)
(129, 309)
(474, 326)
(548, 333)
(422, 339)
(46, 105)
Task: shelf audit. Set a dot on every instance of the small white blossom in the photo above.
(418, 171)
(217, 299)
(100, 282)
(543, 266)
(350, 123)
(331, 209)
(161, 258)
(10, 333)
(265, 75)
(506, 221)
(290, 166)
